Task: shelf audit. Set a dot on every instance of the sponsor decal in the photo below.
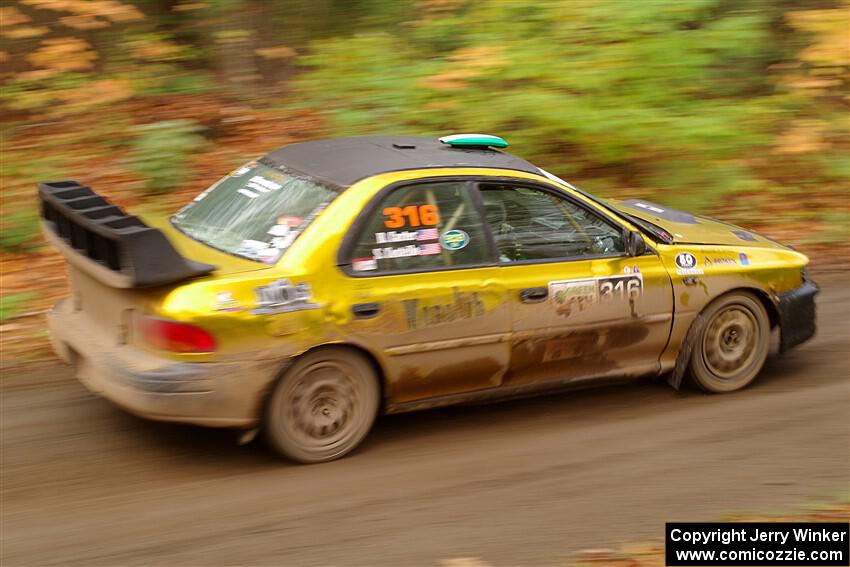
(279, 230)
(243, 170)
(686, 264)
(364, 264)
(719, 261)
(393, 236)
(744, 259)
(427, 234)
(388, 253)
(454, 239)
(577, 295)
(253, 248)
(291, 220)
(267, 252)
(258, 185)
(269, 255)
(429, 249)
(662, 212)
(224, 302)
(462, 305)
(648, 207)
(450, 240)
(284, 241)
(280, 296)
(572, 296)
(744, 235)
(198, 198)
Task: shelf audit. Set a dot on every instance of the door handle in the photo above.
(533, 294)
(365, 310)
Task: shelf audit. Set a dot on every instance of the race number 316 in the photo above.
(626, 287)
(412, 215)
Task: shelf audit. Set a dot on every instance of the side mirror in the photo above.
(635, 244)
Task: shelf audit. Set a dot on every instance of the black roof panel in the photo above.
(344, 161)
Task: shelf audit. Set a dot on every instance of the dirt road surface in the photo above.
(525, 482)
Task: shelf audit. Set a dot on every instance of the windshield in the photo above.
(256, 212)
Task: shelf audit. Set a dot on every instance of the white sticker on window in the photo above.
(279, 230)
(268, 184)
(364, 264)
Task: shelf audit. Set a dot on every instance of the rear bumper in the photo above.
(225, 394)
(797, 315)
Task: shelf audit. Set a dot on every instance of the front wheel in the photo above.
(323, 406)
(732, 347)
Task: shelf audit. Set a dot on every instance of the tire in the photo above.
(732, 346)
(323, 406)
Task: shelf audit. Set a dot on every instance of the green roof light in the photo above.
(474, 141)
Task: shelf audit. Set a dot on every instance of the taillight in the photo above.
(172, 336)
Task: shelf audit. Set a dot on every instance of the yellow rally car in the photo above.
(330, 281)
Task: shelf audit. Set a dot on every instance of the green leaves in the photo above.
(160, 152)
(12, 304)
(673, 97)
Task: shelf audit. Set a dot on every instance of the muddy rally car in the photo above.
(328, 282)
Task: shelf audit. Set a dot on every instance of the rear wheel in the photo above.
(323, 406)
(733, 345)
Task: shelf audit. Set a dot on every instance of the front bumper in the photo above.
(214, 394)
(797, 315)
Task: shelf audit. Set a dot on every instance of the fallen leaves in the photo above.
(242, 132)
(112, 10)
(463, 65)
(83, 22)
(804, 136)
(830, 29)
(279, 52)
(23, 32)
(63, 54)
(11, 16)
(156, 50)
(190, 6)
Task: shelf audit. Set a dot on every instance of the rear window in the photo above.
(256, 212)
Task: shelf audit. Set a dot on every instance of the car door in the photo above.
(581, 307)
(426, 291)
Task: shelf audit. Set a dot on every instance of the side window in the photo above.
(424, 226)
(531, 224)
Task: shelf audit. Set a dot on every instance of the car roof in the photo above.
(344, 161)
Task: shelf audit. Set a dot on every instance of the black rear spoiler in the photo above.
(101, 239)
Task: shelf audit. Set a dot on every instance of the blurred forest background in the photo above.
(735, 108)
